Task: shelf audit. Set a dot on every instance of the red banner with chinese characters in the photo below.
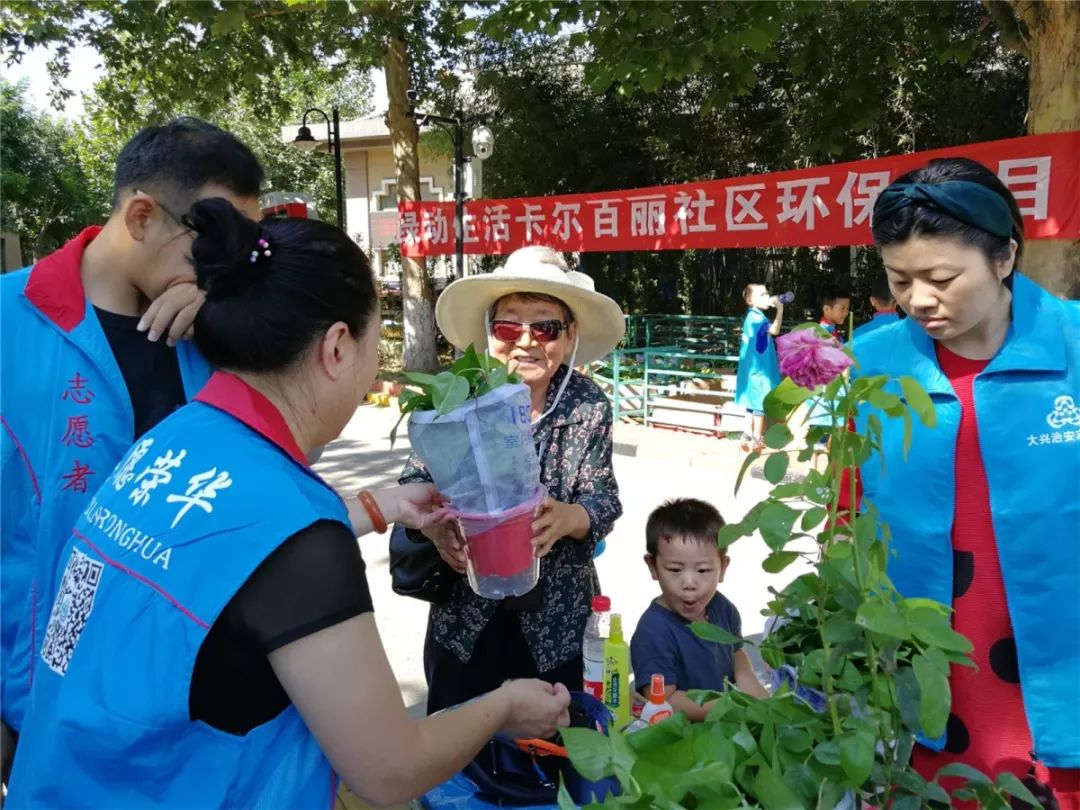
(826, 205)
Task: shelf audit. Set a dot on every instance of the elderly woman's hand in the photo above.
(444, 535)
(555, 520)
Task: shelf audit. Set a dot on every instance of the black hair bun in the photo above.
(222, 250)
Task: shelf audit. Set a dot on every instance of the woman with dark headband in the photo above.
(985, 509)
(212, 642)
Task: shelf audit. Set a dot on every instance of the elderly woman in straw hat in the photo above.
(543, 319)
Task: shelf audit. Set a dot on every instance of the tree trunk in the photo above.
(1053, 50)
(417, 302)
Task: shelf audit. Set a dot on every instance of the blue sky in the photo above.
(85, 70)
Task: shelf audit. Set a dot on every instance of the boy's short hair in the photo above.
(880, 289)
(682, 517)
(831, 293)
(176, 159)
(748, 290)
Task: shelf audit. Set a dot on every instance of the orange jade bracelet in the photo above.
(367, 500)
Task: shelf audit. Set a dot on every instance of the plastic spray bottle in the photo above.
(617, 673)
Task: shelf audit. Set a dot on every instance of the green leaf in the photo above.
(814, 517)
(775, 524)
(778, 436)
(230, 19)
(565, 802)
(907, 432)
(932, 628)
(468, 361)
(711, 632)
(879, 617)
(1010, 784)
(730, 533)
(857, 753)
(890, 403)
(449, 394)
(907, 693)
(590, 752)
(778, 561)
(828, 752)
(782, 400)
(776, 467)
(919, 400)
(750, 459)
(905, 801)
(418, 377)
(934, 698)
(963, 771)
(772, 792)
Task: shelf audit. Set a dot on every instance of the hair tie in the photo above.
(972, 203)
(263, 246)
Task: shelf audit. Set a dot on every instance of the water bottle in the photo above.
(786, 298)
(597, 630)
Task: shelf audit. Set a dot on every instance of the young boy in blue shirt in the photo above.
(759, 370)
(682, 555)
(881, 299)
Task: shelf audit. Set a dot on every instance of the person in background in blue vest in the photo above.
(92, 358)
(984, 510)
(212, 642)
(881, 299)
(759, 371)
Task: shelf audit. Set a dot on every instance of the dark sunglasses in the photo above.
(542, 331)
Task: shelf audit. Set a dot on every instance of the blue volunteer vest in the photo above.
(1027, 403)
(166, 542)
(759, 371)
(67, 419)
(879, 320)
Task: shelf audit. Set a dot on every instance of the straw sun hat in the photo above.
(462, 308)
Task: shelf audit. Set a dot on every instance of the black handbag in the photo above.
(416, 569)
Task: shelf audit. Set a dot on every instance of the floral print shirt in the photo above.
(575, 443)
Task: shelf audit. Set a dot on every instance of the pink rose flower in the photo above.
(809, 359)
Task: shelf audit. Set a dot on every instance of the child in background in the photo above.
(835, 307)
(759, 371)
(881, 299)
(682, 555)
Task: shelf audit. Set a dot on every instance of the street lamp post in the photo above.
(305, 140)
(483, 145)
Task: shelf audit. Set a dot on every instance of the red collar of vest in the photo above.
(55, 285)
(229, 393)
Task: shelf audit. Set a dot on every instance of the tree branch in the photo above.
(1012, 29)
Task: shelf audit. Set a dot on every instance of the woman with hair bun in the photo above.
(212, 642)
(984, 510)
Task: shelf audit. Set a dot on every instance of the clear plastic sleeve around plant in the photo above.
(481, 455)
(500, 560)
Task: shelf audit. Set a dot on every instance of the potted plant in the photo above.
(861, 670)
(471, 426)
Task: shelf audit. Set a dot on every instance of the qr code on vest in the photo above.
(71, 610)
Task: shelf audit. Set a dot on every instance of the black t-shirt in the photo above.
(151, 371)
(312, 581)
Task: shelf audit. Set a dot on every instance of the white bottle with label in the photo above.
(596, 631)
(657, 708)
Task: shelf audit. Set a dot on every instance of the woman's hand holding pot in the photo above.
(444, 535)
(555, 520)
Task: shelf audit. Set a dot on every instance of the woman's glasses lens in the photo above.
(543, 331)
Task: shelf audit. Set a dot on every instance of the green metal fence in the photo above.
(676, 370)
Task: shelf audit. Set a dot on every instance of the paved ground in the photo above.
(651, 465)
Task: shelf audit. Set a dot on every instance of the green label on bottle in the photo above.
(612, 695)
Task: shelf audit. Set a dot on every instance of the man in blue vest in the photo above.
(92, 358)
